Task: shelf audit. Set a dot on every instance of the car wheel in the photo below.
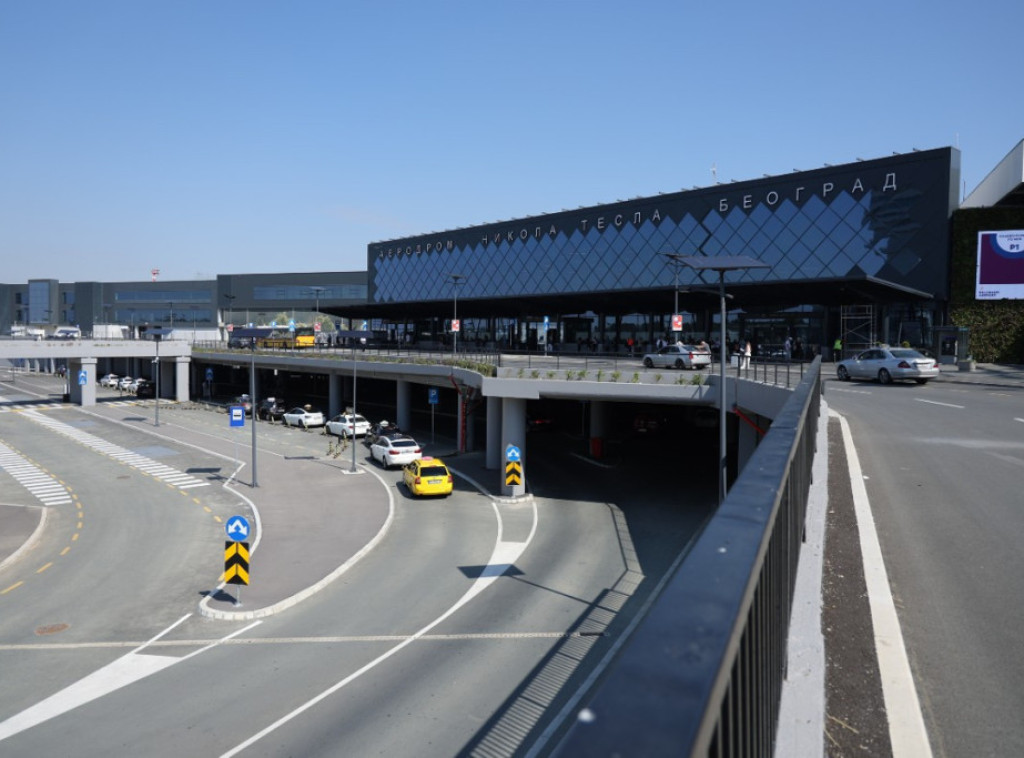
(921, 381)
(884, 377)
(679, 364)
(843, 374)
(648, 363)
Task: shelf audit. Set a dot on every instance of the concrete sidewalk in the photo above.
(985, 374)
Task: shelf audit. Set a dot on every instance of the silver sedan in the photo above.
(678, 356)
(888, 364)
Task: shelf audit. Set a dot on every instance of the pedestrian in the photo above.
(787, 348)
(837, 350)
(745, 361)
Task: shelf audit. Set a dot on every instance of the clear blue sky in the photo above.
(228, 136)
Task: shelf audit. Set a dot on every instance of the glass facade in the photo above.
(886, 219)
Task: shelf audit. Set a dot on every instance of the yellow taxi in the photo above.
(428, 476)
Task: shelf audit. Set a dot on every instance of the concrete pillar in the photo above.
(83, 394)
(513, 433)
(181, 367)
(335, 398)
(403, 407)
(494, 452)
(598, 427)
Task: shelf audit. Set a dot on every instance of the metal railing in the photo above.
(702, 674)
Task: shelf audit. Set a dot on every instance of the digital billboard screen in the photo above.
(1000, 265)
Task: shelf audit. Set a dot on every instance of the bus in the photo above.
(285, 339)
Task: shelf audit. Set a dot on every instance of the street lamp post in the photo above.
(721, 264)
(456, 281)
(252, 401)
(316, 315)
(156, 381)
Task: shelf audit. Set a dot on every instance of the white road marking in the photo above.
(936, 402)
(1019, 419)
(157, 470)
(127, 669)
(906, 724)
(503, 556)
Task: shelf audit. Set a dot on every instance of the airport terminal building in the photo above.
(859, 251)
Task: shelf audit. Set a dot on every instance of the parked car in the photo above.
(381, 429)
(124, 383)
(888, 364)
(109, 380)
(243, 400)
(145, 389)
(342, 425)
(428, 476)
(398, 450)
(305, 417)
(271, 409)
(678, 356)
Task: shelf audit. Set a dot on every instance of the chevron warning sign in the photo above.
(236, 562)
(513, 473)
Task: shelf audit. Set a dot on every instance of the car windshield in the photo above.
(403, 443)
(433, 471)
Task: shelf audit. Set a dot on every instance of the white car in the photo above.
(395, 451)
(342, 426)
(125, 383)
(678, 356)
(109, 380)
(888, 364)
(303, 417)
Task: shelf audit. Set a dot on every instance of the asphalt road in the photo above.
(466, 630)
(942, 467)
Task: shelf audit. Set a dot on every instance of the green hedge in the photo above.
(996, 326)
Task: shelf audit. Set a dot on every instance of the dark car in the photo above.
(145, 389)
(272, 409)
(381, 429)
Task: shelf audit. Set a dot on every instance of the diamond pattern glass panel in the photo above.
(876, 219)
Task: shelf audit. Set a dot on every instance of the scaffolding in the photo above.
(857, 328)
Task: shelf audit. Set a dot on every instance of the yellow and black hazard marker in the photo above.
(513, 473)
(236, 562)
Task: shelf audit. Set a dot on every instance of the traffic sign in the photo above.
(316, 327)
(455, 324)
(291, 325)
(209, 374)
(236, 562)
(432, 396)
(236, 414)
(513, 473)
(512, 453)
(231, 328)
(677, 322)
(237, 528)
(82, 378)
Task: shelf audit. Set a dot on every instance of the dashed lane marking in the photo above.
(148, 466)
(40, 484)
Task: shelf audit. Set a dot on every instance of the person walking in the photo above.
(745, 361)
(837, 350)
